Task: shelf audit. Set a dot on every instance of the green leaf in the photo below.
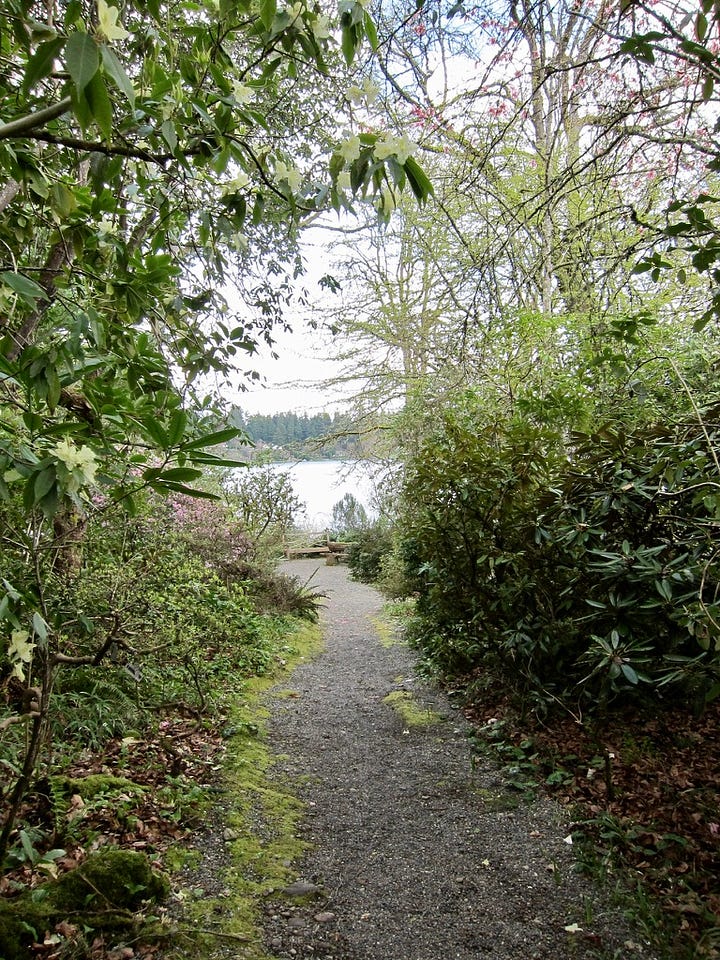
(210, 460)
(169, 135)
(40, 626)
(82, 59)
(100, 106)
(212, 439)
(258, 209)
(157, 433)
(41, 63)
(419, 182)
(54, 387)
(26, 289)
(115, 70)
(370, 31)
(349, 43)
(178, 425)
(179, 473)
(629, 673)
(45, 480)
(162, 486)
(268, 10)
(33, 421)
(63, 200)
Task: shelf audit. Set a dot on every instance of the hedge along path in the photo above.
(415, 852)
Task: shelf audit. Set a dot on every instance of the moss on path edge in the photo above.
(254, 831)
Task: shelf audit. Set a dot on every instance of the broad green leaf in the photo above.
(629, 673)
(370, 31)
(40, 65)
(169, 135)
(44, 481)
(419, 182)
(268, 9)
(63, 200)
(54, 387)
(349, 43)
(163, 486)
(210, 460)
(157, 432)
(33, 421)
(179, 473)
(40, 626)
(100, 105)
(212, 439)
(82, 59)
(115, 70)
(26, 289)
(178, 425)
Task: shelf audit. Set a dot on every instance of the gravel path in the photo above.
(417, 854)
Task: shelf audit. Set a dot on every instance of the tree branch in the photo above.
(24, 125)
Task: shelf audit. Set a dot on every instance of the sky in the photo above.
(294, 380)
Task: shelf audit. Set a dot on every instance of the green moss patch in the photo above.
(413, 715)
(261, 818)
(106, 890)
(388, 631)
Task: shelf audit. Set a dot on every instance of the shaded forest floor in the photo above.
(644, 793)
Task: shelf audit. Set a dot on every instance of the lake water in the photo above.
(319, 484)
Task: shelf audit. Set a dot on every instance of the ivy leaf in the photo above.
(82, 59)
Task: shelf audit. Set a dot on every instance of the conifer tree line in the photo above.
(290, 428)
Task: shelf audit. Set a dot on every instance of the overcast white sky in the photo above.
(294, 380)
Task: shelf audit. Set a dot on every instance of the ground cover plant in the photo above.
(132, 742)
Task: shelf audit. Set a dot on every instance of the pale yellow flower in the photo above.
(20, 652)
(80, 459)
(236, 184)
(399, 147)
(350, 149)
(291, 176)
(108, 25)
(242, 93)
(321, 27)
(355, 95)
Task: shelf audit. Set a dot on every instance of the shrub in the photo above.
(586, 577)
(368, 550)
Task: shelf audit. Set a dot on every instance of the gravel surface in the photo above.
(417, 853)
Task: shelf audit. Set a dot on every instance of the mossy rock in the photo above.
(103, 892)
(95, 785)
(21, 924)
(120, 879)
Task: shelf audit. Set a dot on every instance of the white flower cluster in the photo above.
(80, 463)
